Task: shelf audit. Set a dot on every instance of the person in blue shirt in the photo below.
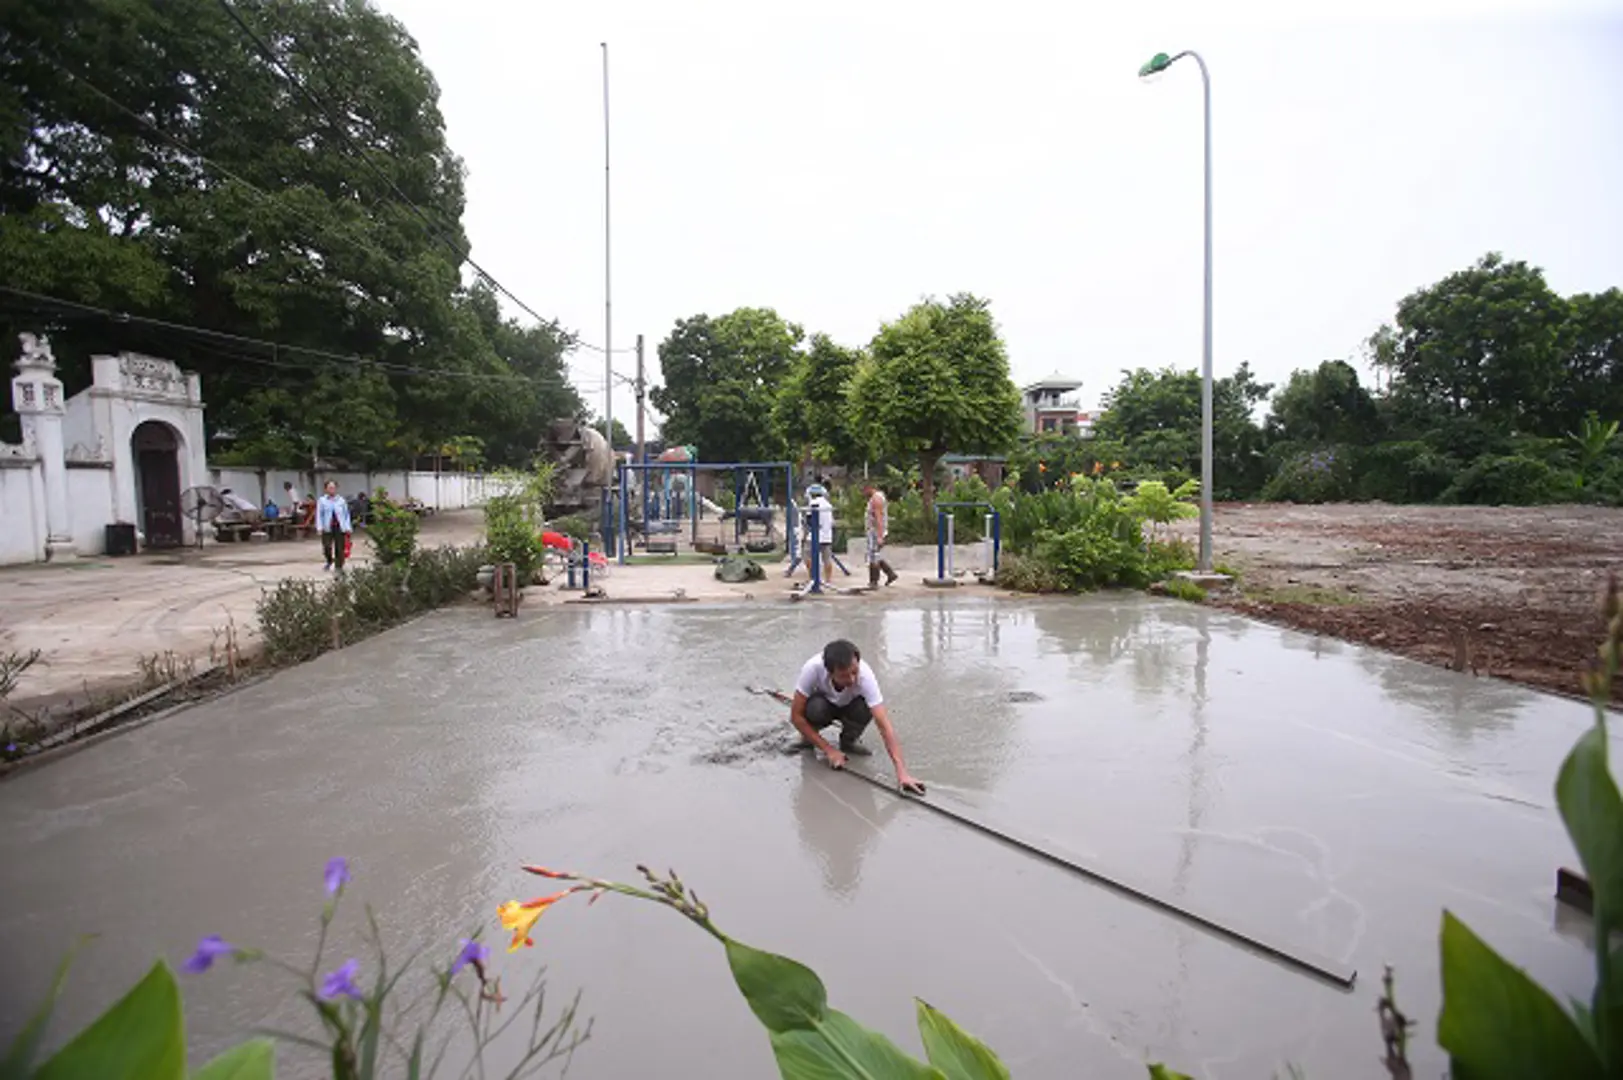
(332, 522)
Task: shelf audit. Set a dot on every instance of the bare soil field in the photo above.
(1512, 592)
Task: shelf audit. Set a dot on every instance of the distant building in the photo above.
(1052, 407)
(989, 467)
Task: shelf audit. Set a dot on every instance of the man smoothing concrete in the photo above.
(838, 686)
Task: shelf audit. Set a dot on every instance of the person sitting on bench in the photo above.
(838, 686)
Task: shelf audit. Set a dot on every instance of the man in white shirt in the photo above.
(838, 686)
(817, 499)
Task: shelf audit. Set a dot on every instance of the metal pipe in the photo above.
(586, 565)
(1310, 963)
(941, 545)
(816, 550)
(952, 540)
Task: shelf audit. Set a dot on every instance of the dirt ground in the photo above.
(1512, 592)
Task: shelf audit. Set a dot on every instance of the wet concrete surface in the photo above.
(1338, 797)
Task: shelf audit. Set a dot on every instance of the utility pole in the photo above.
(608, 306)
(642, 395)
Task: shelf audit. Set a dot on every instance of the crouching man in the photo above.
(838, 687)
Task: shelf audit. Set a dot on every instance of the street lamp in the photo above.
(1157, 64)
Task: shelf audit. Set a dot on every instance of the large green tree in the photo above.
(721, 376)
(1155, 415)
(157, 163)
(937, 381)
(1326, 404)
(812, 413)
(1488, 344)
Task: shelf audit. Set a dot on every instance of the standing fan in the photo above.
(201, 504)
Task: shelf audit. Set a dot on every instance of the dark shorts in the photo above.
(853, 717)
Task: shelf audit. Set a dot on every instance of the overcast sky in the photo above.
(838, 164)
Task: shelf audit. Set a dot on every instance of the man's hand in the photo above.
(836, 760)
(909, 785)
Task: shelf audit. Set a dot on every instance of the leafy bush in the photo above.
(574, 526)
(442, 575)
(393, 530)
(1028, 573)
(1096, 554)
(1165, 557)
(1152, 502)
(1515, 480)
(1314, 476)
(509, 535)
(295, 618)
(1402, 472)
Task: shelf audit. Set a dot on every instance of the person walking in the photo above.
(838, 687)
(876, 520)
(817, 499)
(332, 522)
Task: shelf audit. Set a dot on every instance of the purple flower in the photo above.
(341, 983)
(472, 953)
(208, 950)
(337, 874)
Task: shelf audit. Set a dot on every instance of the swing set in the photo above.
(668, 494)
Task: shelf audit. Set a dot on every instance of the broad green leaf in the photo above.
(1593, 811)
(784, 995)
(839, 1048)
(1498, 1024)
(252, 1060)
(1161, 1072)
(953, 1050)
(142, 1037)
(19, 1061)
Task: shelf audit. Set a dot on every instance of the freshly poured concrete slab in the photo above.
(1334, 797)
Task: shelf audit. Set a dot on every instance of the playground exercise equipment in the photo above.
(684, 506)
(812, 537)
(1322, 967)
(945, 545)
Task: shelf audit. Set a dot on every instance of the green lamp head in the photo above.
(1156, 64)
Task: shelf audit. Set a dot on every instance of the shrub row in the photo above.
(299, 618)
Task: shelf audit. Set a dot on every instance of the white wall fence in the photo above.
(440, 490)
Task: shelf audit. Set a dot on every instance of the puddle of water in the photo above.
(1337, 796)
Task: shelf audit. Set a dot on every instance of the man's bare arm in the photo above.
(797, 717)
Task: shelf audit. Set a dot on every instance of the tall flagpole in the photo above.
(608, 282)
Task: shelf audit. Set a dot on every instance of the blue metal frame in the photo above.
(623, 469)
(941, 533)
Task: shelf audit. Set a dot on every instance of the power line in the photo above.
(278, 348)
(360, 154)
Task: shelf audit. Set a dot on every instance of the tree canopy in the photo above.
(812, 413)
(1325, 405)
(721, 377)
(937, 380)
(157, 163)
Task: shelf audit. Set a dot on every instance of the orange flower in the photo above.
(1098, 467)
(520, 918)
(1042, 466)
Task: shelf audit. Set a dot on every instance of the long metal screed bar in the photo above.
(1321, 967)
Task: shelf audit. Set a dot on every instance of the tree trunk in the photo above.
(927, 463)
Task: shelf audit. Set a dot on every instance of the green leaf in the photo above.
(1593, 811)
(252, 1060)
(142, 1037)
(953, 1050)
(839, 1048)
(784, 995)
(20, 1057)
(810, 1040)
(1498, 1023)
(1161, 1072)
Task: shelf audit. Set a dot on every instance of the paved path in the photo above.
(95, 619)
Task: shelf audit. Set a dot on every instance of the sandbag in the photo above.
(737, 569)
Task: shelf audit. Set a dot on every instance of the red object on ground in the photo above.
(556, 540)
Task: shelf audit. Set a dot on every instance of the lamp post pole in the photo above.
(1159, 63)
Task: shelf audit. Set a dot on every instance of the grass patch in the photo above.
(1184, 589)
(1308, 595)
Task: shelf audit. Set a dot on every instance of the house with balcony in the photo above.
(1053, 407)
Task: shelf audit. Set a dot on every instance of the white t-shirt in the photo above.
(825, 518)
(814, 680)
